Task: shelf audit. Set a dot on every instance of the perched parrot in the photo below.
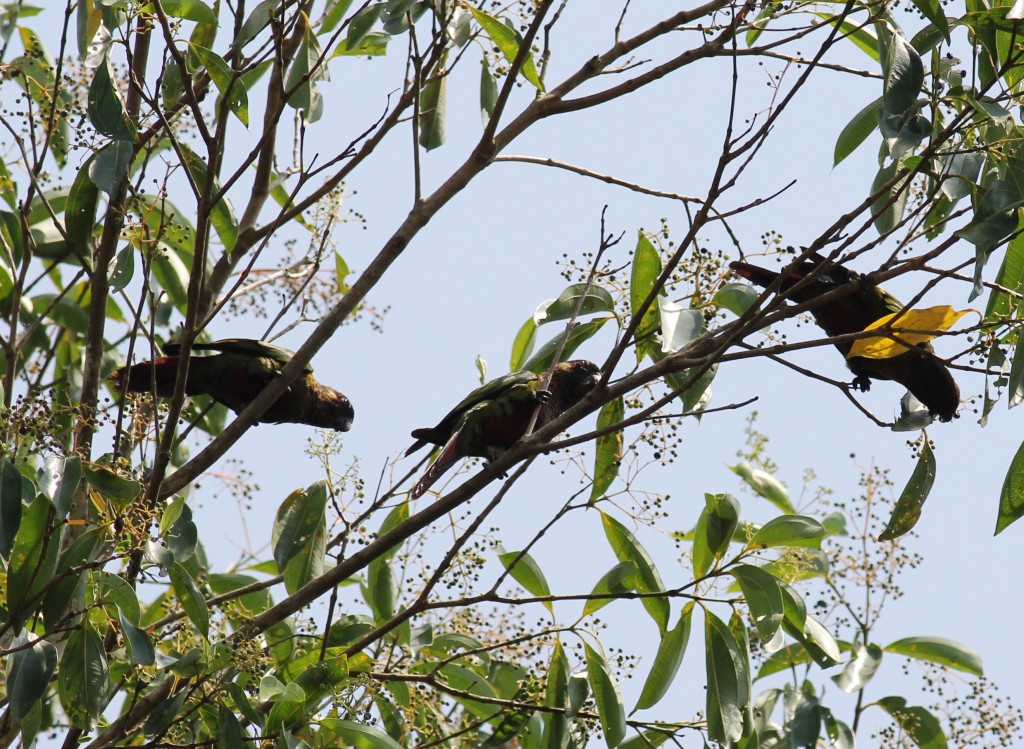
(235, 375)
(918, 370)
(494, 416)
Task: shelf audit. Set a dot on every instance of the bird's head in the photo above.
(341, 413)
(572, 380)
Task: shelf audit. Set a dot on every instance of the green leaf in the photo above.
(298, 518)
(619, 579)
(628, 549)
(106, 108)
(522, 346)
(607, 698)
(509, 42)
(192, 601)
(525, 570)
(938, 650)
(679, 325)
(784, 659)
(904, 76)
(117, 596)
(80, 211)
(33, 558)
(67, 591)
(231, 88)
(259, 19)
(541, 361)
(63, 476)
(856, 32)
(189, 10)
(725, 703)
(229, 730)
(645, 740)
(341, 272)
(907, 511)
(139, 645)
(556, 694)
(920, 725)
(359, 736)
(789, 530)
(10, 505)
(932, 10)
(646, 269)
(608, 453)
(1010, 276)
(735, 297)
(433, 112)
(110, 484)
(857, 673)
(856, 131)
(888, 208)
(82, 681)
(589, 300)
(488, 92)
(361, 24)
(995, 216)
(1011, 497)
(28, 676)
(221, 216)
(715, 528)
(765, 485)
(765, 598)
(666, 661)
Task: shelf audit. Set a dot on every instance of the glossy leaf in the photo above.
(891, 203)
(735, 297)
(926, 322)
(608, 453)
(523, 345)
(765, 485)
(82, 681)
(904, 76)
(646, 269)
(764, 595)
(28, 675)
(230, 86)
(189, 10)
(298, 519)
(667, 661)
(10, 505)
(856, 131)
(1011, 497)
(221, 215)
(610, 710)
(939, 650)
(628, 549)
(715, 528)
(923, 727)
(33, 557)
(679, 325)
(619, 579)
(908, 507)
(541, 361)
(80, 211)
(525, 570)
(140, 647)
(360, 736)
(106, 108)
(789, 530)
(433, 112)
(509, 42)
(725, 703)
(588, 300)
(191, 599)
(857, 673)
(488, 92)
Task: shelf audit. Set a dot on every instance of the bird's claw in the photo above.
(542, 396)
(862, 383)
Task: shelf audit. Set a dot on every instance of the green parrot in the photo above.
(495, 416)
(919, 370)
(235, 375)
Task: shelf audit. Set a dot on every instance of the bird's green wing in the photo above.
(245, 346)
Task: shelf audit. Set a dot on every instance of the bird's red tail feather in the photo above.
(446, 459)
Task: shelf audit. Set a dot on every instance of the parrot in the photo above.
(495, 416)
(922, 373)
(235, 375)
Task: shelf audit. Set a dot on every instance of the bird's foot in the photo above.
(542, 396)
(862, 383)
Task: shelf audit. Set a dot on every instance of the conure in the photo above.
(235, 375)
(918, 369)
(495, 416)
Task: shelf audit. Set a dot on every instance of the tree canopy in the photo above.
(181, 186)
